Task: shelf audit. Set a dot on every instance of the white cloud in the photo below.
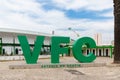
(96, 5)
(15, 14)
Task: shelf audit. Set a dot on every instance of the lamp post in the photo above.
(76, 35)
(74, 31)
(53, 32)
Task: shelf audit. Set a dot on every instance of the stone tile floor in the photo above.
(84, 73)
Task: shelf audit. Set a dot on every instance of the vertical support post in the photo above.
(0, 46)
(111, 52)
(13, 45)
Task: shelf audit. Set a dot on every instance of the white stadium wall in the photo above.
(10, 43)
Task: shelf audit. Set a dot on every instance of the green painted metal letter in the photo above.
(31, 57)
(77, 49)
(56, 49)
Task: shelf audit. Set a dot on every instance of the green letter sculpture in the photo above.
(77, 49)
(56, 49)
(31, 57)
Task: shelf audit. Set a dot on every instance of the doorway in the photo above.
(16, 51)
(100, 52)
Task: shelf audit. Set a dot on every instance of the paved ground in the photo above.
(87, 73)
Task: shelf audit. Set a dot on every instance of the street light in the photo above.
(53, 32)
(74, 31)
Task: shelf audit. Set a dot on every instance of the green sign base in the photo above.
(39, 66)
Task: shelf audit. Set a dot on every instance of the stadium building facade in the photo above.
(9, 44)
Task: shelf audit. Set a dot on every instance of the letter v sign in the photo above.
(31, 57)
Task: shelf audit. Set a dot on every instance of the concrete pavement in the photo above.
(84, 73)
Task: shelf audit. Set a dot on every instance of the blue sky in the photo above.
(86, 17)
